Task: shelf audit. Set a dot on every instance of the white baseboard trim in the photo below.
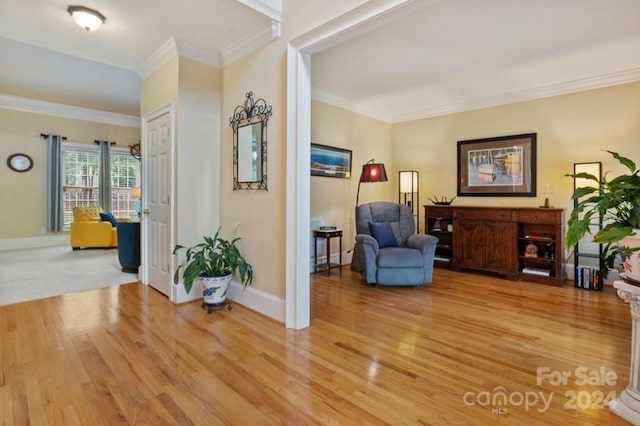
(264, 303)
(180, 295)
(346, 259)
(35, 242)
(258, 300)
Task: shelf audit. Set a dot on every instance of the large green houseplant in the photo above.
(618, 201)
(215, 258)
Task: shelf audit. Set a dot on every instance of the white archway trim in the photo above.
(297, 291)
(352, 23)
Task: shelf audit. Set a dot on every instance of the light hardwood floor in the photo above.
(438, 354)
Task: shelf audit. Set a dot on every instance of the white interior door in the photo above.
(157, 203)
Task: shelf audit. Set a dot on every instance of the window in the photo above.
(81, 176)
(125, 172)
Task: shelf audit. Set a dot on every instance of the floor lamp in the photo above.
(371, 172)
(408, 193)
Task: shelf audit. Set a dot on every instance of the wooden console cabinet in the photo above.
(485, 239)
(518, 243)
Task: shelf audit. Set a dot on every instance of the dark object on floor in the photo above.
(129, 246)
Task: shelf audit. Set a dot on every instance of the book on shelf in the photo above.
(578, 277)
(327, 228)
(538, 238)
(587, 277)
(536, 271)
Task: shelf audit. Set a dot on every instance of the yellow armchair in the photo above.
(87, 230)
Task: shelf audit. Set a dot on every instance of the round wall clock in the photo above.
(20, 162)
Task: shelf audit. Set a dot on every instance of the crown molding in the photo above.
(161, 57)
(360, 20)
(37, 106)
(579, 85)
(328, 98)
(190, 52)
(172, 49)
(270, 8)
(250, 42)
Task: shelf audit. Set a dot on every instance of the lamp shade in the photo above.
(408, 181)
(373, 172)
(594, 169)
(88, 19)
(136, 192)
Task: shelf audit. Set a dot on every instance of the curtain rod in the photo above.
(98, 142)
(45, 135)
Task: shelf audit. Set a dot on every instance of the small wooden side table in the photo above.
(327, 235)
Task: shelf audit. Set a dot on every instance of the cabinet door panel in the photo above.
(468, 243)
(500, 246)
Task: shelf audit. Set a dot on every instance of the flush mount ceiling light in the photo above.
(88, 19)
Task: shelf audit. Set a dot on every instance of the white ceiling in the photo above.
(133, 31)
(454, 55)
(431, 58)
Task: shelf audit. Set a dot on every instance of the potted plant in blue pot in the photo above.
(213, 263)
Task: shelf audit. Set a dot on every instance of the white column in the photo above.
(627, 405)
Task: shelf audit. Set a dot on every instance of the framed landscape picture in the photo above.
(330, 162)
(500, 166)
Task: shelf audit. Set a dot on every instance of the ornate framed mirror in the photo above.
(249, 124)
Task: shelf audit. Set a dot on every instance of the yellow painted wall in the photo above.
(23, 194)
(260, 215)
(333, 200)
(425, 145)
(160, 88)
(198, 151)
(570, 128)
(194, 90)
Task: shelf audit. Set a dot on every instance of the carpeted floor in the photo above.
(51, 271)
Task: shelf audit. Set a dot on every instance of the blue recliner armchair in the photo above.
(389, 250)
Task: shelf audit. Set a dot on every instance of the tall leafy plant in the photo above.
(617, 200)
(215, 257)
